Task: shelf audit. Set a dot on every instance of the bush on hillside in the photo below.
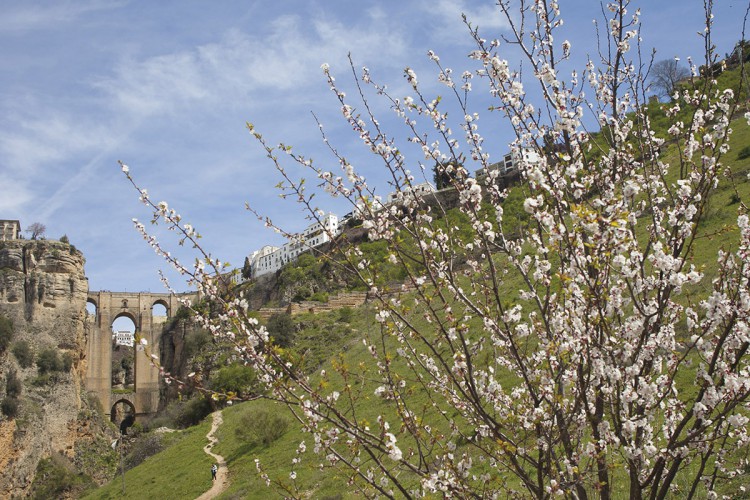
(261, 427)
(195, 341)
(237, 379)
(49, 361)
(281, 329)
(67, 361)
(182, 414)
(13, 384)
(6, 333)
(346, 314)
(56, 477)
(9, 407)
(23, 353)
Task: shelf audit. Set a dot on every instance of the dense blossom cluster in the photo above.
(612, 363)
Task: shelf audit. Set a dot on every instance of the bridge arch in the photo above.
(116, 414)
(126, 314)
(160, 305)
(123, 414)
(91, 307)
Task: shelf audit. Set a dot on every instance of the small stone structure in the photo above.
(344, 299)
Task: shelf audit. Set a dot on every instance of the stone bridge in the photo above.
(138, 307)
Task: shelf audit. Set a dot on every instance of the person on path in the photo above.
(213, 472)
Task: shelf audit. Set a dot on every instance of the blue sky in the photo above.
(168, 86)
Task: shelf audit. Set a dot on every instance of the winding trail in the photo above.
(222, 478)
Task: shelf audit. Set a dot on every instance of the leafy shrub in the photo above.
(23, 353)
(9, 407)
(49, 361)
(743, 153)
(261, 427)
(281, 329)
(195, 340)
(346, 314)
(12, 384)
(237, 378)
(43, 379)
(186, 413)
(6, 333)
(64, 239)
(67, 361)
(56, 477)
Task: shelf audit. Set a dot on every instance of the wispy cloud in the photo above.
(288, 55)
(40, 140)
(15, 195)
(21, 17)
(448, 20)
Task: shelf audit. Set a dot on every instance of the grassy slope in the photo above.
(180, 471)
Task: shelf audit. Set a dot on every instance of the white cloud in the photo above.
(288, 55)
(15, 196)
(22, 17)
(33, 142)
(487, 16)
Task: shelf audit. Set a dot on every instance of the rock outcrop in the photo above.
(43, 291)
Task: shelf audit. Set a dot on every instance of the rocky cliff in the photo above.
(43, 291)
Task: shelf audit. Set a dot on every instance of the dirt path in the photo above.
(222, 478)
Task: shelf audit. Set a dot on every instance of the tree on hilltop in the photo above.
(445, 173)
(36, 230)
(665, 75)
(587, 355)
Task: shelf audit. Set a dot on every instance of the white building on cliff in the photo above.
(510, 163)
(10, 230)
(270, 259)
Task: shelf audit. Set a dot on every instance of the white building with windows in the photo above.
(10, 230)
(510, 163)
(418, 190)
(270, 259)
(123, 338)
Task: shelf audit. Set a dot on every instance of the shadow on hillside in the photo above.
(241, 451)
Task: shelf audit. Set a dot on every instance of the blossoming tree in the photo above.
(585, 355)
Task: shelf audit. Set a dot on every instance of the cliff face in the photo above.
(43, 291)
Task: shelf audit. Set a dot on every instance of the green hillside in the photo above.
(335, 340)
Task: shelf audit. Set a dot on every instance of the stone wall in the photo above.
(343, 299)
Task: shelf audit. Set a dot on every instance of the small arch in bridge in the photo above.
(91, 307)
(123, 414)
(124, 321)
(160, 308)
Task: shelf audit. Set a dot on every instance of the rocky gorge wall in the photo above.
(43, 291)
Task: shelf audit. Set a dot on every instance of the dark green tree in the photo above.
(49, 361)
(281, 329)
(23, 353)
(446, 173)
(237, 378)
(6, 333)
